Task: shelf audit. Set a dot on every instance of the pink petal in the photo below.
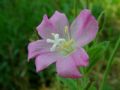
(84, 28)
(37, 47)
(80, 57)
(66, 68)
(46, 28)
(60, 21)
(56, 24)
(44, 60)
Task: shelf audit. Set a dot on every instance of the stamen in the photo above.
(55, 35)
(67, 32)
(66, 29)
(53, 47)
(56, 41)
(50, 41)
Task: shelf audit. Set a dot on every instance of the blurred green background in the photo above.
(18, 21)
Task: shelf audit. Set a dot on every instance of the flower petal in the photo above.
(37, 47)
(80, 57)
(66, 68)
(84, 28)
(44, 60)
(46, 28)
(60, 21)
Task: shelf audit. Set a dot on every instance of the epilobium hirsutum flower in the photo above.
(63, 44)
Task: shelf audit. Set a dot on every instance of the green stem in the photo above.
(83, 3)
(58, 83)
(104, 20)
(75, 8)
(87, 4)
(109, 64)
(78, 84)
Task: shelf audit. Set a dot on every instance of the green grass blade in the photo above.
(109, 64)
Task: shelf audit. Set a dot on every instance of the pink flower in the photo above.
(63, 44)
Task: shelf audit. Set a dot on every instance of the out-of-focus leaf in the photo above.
(96, 52)
(92, 87)
(70, 83)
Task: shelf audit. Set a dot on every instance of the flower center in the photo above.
(66, 47)
(63, 46)
(56, 41)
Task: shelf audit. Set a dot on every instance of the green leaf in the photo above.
(111, 58)
(92, 86)
(71, 83)
(96, 52)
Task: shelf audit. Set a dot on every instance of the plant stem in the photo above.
(58, 83)
(77, 81)
(87, 4)
(109, 64)
(75, 8)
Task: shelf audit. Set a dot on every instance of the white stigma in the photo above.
(56, 41)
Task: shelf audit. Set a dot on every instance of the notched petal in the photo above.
(59, 20)
(46, 28)
(84, 28)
